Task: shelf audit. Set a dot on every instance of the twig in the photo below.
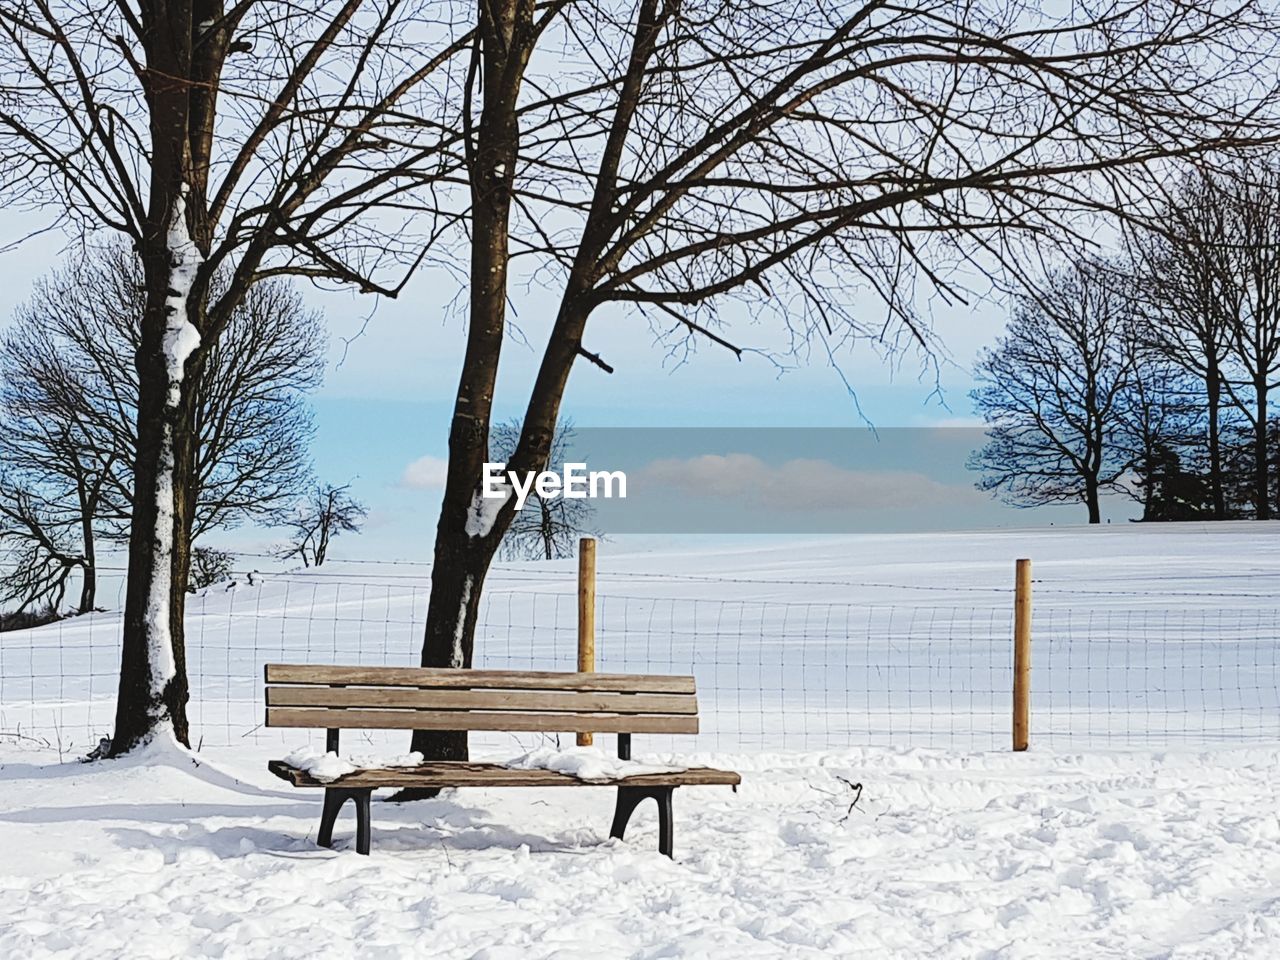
(447, 859)
(19, 735)
(857, 795)
(595, 358)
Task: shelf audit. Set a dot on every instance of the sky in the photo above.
(393, 366)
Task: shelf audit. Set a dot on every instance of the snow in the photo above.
(483, 512)
(457, 657)
(1143, 636)
(585, 763)
(378, 759)
(809, 656)
(181, 338)
(327, 767)
(1104, 855)
(160, 654)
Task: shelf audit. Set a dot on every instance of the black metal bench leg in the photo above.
(666, 821)
(333, 801)
(334, 798)
(629, 798)
(361, 798)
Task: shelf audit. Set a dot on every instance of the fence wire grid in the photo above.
(772, 674)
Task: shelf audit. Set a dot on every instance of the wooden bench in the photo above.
(413, 698)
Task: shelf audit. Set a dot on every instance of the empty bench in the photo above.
(337, 698)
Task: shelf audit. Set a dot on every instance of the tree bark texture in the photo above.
(181, 89)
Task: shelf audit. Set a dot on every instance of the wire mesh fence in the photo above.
(1109, 670)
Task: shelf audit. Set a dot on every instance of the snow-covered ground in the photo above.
(1143, 636)
(877, 660)
(996, 855)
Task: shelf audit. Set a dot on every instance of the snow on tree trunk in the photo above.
(483, 512)
(481, 517)
(459, 659)
(181, 340)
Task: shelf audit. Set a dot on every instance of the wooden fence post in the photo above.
(586, 615)
(1022, 655)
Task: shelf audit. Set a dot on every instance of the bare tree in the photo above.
(1160, 416)
(1178, 279)
(252, 421)
(61, 451)
(248, 140)
(1252, 241)
(1051, 390)
(327, 512)
(45, 548)
(1211, 272)
(547, 528)
(786, 157)
(209, 565)
(67, 418)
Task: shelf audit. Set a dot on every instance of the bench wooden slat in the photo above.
(456, 774)
(428, 677)
(478, 720)
(529, 702)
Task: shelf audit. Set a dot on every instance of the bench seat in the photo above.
(456, 774)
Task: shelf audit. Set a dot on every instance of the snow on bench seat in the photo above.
(457, 774)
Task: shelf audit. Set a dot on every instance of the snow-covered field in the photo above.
(999, 855)
(1143, 636)
(875, 660)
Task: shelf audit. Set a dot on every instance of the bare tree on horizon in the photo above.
(547, 528)
(1207, 278)
(1052, 391)
(325, 513)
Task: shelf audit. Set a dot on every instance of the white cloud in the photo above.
(801, 484)
(957, 422)
(425, 473)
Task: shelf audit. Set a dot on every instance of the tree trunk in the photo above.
(465, 540)
(1214, 390)
(153, 689)
(1261, 467)
(88, 569)
(88, 587)
(181, 88)
(465, 545)
(1091, 500)
(548, 530)
(1150, 495)
(1273, 448)
(457, 579)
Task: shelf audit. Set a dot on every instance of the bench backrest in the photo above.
(420, 698)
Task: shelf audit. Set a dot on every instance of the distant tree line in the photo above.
(1150, 373)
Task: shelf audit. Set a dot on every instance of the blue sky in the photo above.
(394, 365)
(387, 403)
